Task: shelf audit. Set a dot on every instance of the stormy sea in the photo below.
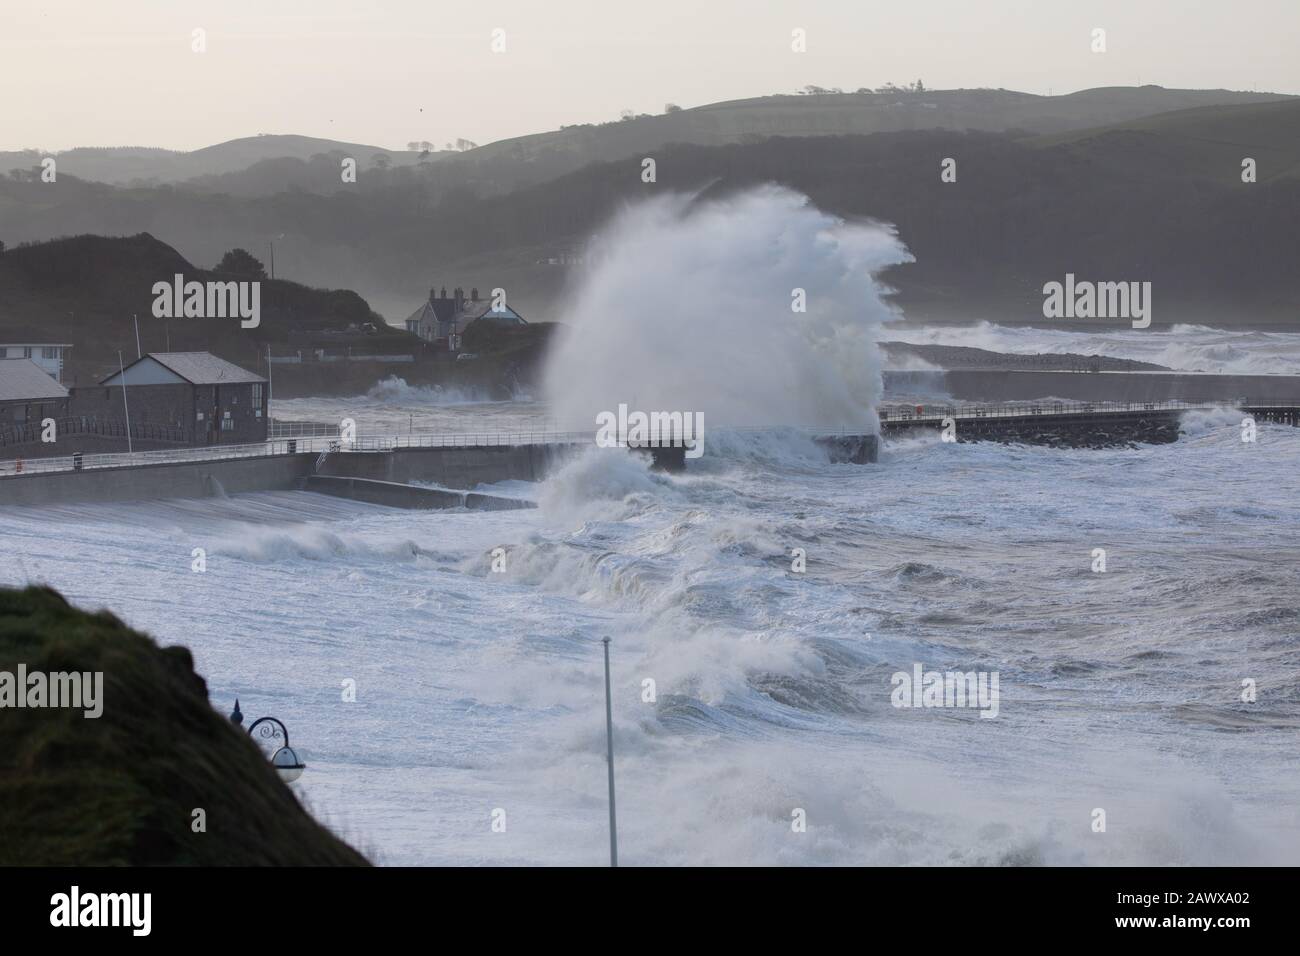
(442, 671)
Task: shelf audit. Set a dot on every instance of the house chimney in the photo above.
(460, 297)
(433, 294)
(473, 294)
(443, 293)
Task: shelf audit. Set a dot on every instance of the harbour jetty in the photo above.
(444, 471)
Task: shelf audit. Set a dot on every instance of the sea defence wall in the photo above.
(1060, 431)
(992, 385)
(840, 449)
(379, 477)
(451, 467)
(199, 479)
(1068, 426)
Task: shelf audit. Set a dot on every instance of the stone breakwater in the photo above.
(1101, 434)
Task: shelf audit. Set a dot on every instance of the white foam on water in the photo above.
(479, 690)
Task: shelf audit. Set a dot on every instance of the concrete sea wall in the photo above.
(379, 477)
(454, 467)
(203, 479)
(451, 467)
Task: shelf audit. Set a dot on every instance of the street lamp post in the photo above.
(609, 757)
(284, 758)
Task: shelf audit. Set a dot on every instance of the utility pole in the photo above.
(609, 756)
(130, 450)
(136, 319)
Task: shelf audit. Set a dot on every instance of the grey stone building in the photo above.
(443, 317)
(212, 401)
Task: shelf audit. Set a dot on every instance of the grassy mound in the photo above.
(121, 789)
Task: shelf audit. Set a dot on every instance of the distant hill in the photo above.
(1020, 214)
(522, 160)
(529, 159)
(1155, 198)
(127, 165)
(1208, 142)
(105, 164)
(84, 290)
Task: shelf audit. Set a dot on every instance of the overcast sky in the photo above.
(385, 72)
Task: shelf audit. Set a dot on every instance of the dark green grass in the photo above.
(121, 789)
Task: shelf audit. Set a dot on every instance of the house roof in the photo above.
(197, 368)
(439, 310)
(444, 312)
(483, 310)
(23, 379)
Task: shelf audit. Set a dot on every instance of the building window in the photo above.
(227, 423)
(50, 352)
(257, 395)
(27, 351)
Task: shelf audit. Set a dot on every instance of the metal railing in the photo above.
(31, 432)
(938, 412)
(469, 440)
(291, 429)
(286, 446)
(36, 466)
(331, 443)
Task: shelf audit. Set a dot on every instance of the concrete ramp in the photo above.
(394, 494)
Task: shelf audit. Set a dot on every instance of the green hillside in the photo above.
(522, 160)
(1206, 143)
(85, 289)
(121, 789)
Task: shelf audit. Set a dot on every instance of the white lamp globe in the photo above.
(287, 764)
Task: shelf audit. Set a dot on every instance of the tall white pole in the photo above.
(609, 756)
(136, 320)
(130, 450)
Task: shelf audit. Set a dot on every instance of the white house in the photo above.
(48, 356)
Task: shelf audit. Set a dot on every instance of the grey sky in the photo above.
(385, 72)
